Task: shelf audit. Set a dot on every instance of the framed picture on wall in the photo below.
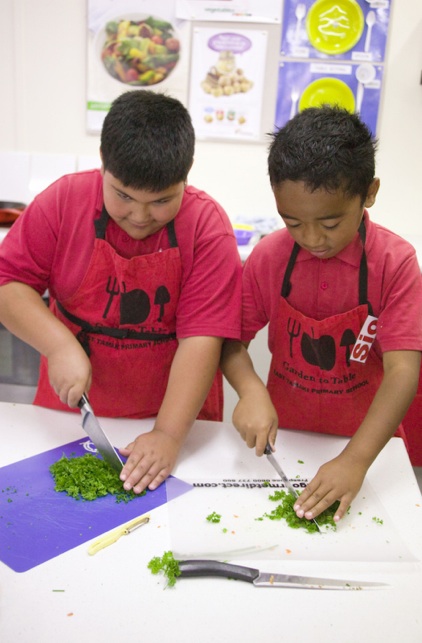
(133, 44)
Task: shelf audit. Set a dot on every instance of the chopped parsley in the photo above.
(286, 512)
(214, 517)
(88, 478)
(378, 520)
(166, 564)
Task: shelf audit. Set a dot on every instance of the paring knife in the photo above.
(268, 452)
(195, 568)
(92, 427)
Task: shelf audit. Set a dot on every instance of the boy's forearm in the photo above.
(24, 313)
(191, 375)
(237, 367)
(389, 406)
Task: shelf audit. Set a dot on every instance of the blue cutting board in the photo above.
(38, 523)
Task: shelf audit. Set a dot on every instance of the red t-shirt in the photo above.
(50, 245)
(325, 287)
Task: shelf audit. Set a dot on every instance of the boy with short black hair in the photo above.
(144, 281)
(343, 299)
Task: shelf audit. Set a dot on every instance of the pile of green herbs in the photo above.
(88, 478)
(285, 511)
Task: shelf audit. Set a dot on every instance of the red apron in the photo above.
(124, 315)
(312, 381)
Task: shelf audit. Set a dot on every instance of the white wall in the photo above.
(42, 109)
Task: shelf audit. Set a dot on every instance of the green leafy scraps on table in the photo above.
(88, 478)
(214, 517)
(166, 564)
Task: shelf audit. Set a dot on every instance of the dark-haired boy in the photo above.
(343, 300)
(144, 279)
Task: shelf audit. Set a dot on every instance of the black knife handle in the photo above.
(215, 568)
(83, 401)
(268, 450)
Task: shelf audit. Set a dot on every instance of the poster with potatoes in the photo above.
(133, 44)
(226, 82)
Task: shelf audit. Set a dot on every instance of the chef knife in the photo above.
(268, 452)
(92, 427)
(196, 568)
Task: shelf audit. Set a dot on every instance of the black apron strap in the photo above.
(363, 270)
(287, 286)
(101, 224)
(172, 234)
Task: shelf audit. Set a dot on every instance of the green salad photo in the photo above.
(140, 52)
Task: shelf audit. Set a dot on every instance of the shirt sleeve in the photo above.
(400, 319)
(27, 252)
(210, 298)
(258, 298)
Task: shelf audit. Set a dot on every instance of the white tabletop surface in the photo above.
(112, 596)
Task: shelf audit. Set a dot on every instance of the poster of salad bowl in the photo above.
(138, 51)
(135, 45)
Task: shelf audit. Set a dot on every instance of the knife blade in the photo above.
(93, 428)
(196, 568)
(268, 452)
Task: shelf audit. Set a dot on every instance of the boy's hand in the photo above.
(339, 479)
(151, 458)
(256, 420)
(69, 372)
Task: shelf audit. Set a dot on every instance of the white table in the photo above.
(112, 596)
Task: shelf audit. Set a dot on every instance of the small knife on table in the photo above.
(269, 453)
(191, 568)
(92, 427)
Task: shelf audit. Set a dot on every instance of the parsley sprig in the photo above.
(166, 564)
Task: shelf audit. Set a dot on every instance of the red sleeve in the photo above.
(210, 298)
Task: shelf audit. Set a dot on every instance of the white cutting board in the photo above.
(239, 535)
(358, 537)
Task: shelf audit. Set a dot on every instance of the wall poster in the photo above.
(227, 82)
(133, 44)
(332, 51)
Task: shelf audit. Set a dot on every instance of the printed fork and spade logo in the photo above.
(319, 351)
(135, 305)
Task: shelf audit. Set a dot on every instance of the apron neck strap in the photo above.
(287, 286)
(363, 270)
(101, 225)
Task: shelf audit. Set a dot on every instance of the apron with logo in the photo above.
(314, 381)
(124, 315)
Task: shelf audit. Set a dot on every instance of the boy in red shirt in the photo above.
(343, 299)
(144, 282)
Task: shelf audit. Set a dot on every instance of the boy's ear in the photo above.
(102, 164)
(372, 193)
